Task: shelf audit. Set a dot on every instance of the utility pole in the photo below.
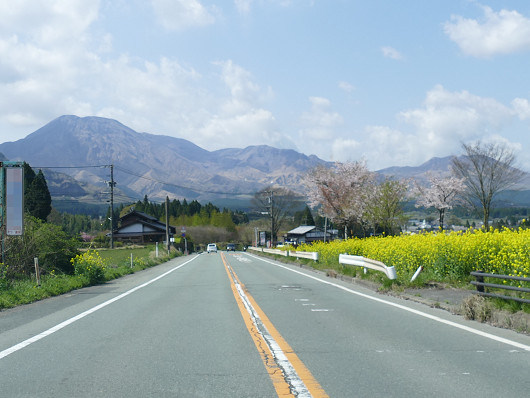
(271, 200)
(167, 224)
(112, 183)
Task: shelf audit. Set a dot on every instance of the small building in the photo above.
(307, 234)
(138, 227)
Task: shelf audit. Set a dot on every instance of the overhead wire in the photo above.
(126, 171)
(123, 170)
(195, 189)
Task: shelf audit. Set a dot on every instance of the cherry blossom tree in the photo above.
(342, 191)
(442, 194)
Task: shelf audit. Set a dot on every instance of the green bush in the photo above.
(91, 266)
(47, 242)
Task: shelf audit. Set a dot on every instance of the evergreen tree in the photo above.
(304, 217)
(37, 198)
(195, 207)
(29, 176)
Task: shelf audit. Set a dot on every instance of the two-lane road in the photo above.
(235, 325)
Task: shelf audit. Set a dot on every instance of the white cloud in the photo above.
(392, 53)
(44, 58)
(438, 128)
(347, 87)
(521, 108)
(502, 32)
(243, 6)
(243, 90)
(42, 80)
(47, 23)
(183, 14)
(320, 121)
(383, 146)
(457, 115)
(45, 65)
(318, 128)
(239, 118)
(380, 147)
(345, 149)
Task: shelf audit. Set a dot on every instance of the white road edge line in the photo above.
(61, 325)
(402, 307)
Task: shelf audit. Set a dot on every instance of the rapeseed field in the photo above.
(443, 255)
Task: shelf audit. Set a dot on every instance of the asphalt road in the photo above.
(235, 325)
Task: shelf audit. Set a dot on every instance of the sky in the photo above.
(392, 83)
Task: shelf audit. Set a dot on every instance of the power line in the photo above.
(123, 170)
(195, 189)
(70, 167)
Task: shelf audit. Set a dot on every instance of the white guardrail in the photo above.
(276, 251)
(287, 253)
(364, 262)
(358, 261)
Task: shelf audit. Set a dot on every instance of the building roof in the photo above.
(138, 214)
(137, 217)
(304, 229)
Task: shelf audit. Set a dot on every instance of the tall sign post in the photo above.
(183, 235)
(11, 200)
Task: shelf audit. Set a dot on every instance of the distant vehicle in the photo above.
(212, 247)
(231, 247)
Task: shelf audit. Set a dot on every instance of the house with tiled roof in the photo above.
(139, 227)
(307, 234)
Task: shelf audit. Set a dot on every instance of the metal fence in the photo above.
(481, 285)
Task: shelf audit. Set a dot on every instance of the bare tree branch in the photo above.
(487, 170)
(278, 203)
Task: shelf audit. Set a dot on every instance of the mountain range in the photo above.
(76, 155)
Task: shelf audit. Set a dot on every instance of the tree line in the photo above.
(354, 198)
(348, 195)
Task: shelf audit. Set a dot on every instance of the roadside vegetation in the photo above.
(368, 215)
(444, 257)
(88, 268)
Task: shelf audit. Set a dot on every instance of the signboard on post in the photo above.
(14, 214)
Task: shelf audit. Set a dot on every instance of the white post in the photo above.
(420, 268)
(132, 260)
(37, 270)
(156, 251)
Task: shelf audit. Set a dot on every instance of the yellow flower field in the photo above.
(452, 255)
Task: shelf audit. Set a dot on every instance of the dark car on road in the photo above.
(231, 247)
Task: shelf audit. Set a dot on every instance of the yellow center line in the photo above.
(282, 387)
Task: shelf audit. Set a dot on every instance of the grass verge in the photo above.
(118, 263)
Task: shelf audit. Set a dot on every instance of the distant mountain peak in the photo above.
(153, 165)
(159, 165)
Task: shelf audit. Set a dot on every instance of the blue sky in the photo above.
(392, 82)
